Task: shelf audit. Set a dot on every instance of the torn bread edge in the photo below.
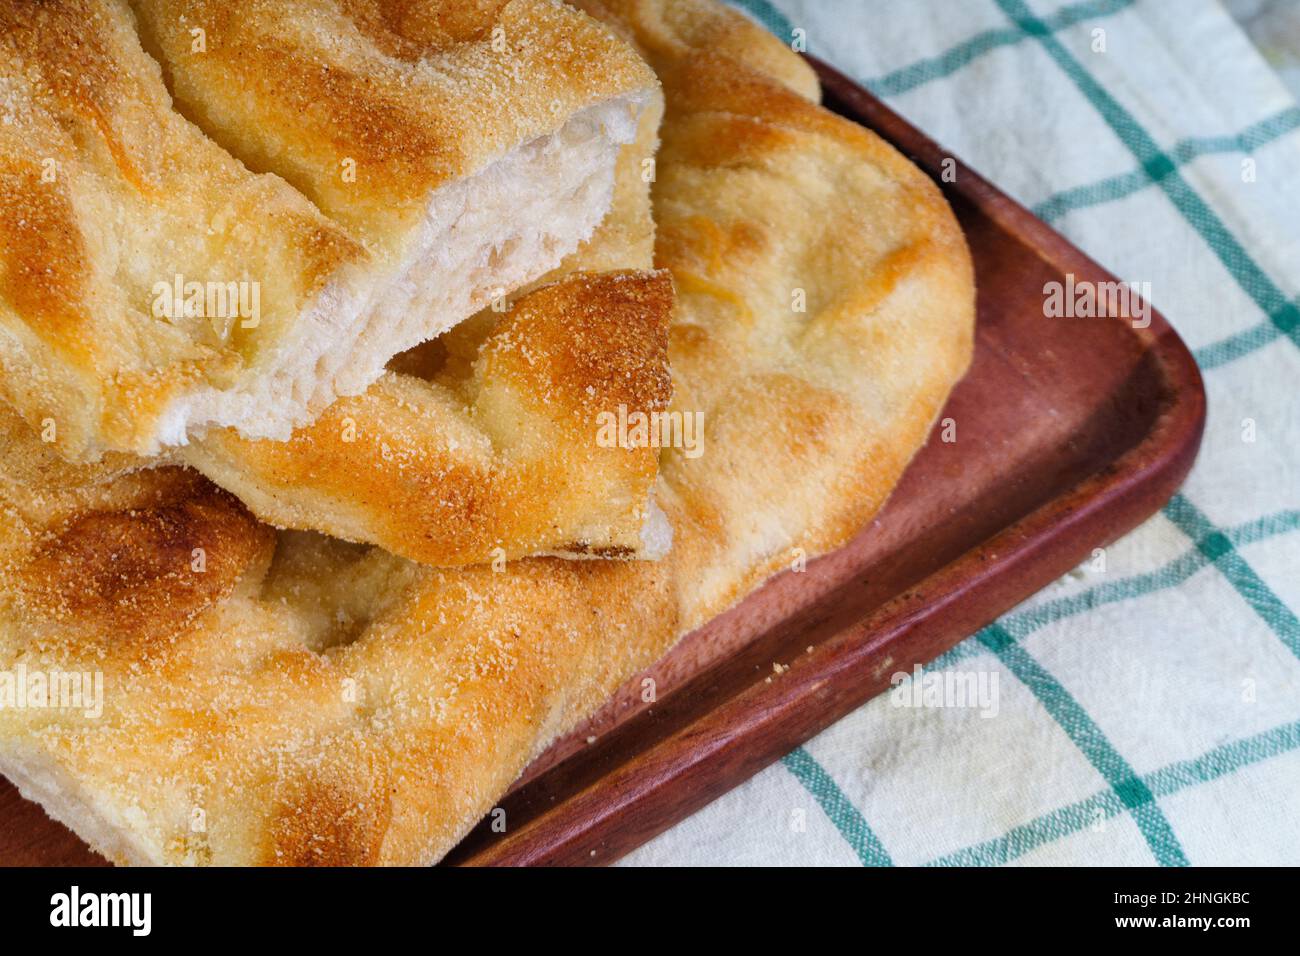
(483, 237)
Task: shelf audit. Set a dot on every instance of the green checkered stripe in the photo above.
(1150, 705)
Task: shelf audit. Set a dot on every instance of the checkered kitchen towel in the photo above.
(1147, 712)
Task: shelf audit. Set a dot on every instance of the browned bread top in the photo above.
(408, 95)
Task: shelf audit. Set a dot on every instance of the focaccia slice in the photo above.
(469, 146)
(498, 454)
(313, 702)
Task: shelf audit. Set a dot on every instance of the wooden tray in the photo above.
(1070, 433)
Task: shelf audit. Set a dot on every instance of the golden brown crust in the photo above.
(665, 31)
(46, 272)
(142, 573)
(411, 29)
(102, 559)
(346, 706)
(413, 95)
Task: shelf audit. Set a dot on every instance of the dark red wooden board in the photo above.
(1070, 432)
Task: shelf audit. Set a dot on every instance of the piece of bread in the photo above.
(106, 195)
(470, 147)
(441, 172)
(305, 701)
(464, 452)
(490, 451)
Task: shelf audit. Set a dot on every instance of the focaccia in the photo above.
(152, 284)
(485, 443)
(299, 700)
